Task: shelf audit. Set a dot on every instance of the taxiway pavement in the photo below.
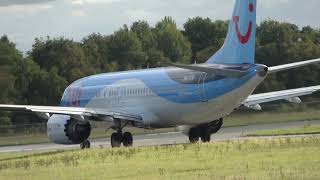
(230, 133)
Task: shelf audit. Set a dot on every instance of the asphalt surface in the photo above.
(231, 133)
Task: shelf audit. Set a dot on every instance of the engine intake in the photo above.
(65, 130)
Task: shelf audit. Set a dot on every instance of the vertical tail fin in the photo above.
(239, 46)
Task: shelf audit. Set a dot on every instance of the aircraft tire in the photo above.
(194, 135)
(85, 144)
(127, 139)
(116, 140)
(206, 134)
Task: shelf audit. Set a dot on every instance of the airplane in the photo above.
(195, 98)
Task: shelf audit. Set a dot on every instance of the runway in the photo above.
(231, 133)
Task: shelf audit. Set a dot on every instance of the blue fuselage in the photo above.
(160, 89)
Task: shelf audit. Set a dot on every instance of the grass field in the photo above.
(233, 120)
(261, 117)
(287, 158)
(292, 131)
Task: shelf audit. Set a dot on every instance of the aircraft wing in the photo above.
(291, 95)
(75, 112)
(275, 69)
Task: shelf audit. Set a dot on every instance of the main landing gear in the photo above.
(124, 138)
(119, 138)
(204, 131)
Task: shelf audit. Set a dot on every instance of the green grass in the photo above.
(233, 120)
(23, 139)
(261, 117)
(292, 131)
(286, 158)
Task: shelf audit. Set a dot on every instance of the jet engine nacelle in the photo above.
(63, 129)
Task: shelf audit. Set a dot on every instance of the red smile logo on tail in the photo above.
(243, 38)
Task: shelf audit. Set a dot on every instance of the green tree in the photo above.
(63, 54)
(156, 58)
(8, 56)
(24, 70)
(96, 50)
(126, 50)
(203, 55)
(204, 34)
(145, 34)
(172, 42)
(8, 52)
(281, 43)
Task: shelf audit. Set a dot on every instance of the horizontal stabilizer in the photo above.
(211, 70)
(275, 69)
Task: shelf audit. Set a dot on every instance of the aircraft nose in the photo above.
(263, 70)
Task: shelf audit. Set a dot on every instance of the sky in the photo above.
(24, 20)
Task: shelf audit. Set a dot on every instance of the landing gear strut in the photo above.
(119, 138)
(85, 144)
(204, 131)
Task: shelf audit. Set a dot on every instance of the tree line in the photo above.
(40, 76)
